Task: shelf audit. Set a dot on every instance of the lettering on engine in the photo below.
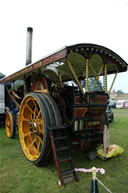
(90, 123)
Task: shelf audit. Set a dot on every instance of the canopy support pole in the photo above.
(75, 76)
(105, 77)
(86, 71)
(113, 82)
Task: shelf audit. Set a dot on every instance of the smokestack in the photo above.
(29, 46)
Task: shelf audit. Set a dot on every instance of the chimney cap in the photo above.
(30, 29)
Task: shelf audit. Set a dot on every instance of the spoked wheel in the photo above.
(10, 125)
(36, 115)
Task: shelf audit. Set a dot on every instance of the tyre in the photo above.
(36, 115)
(10, 125)
(54, 115)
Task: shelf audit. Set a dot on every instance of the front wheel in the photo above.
(10, 125)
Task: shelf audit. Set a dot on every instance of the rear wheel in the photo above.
(10, 125)
(36, 115)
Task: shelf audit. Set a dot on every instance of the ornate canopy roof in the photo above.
(56, 63)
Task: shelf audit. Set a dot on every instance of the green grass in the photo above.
(18, 175)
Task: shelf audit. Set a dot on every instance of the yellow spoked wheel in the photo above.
(10, 125)
(36, 115)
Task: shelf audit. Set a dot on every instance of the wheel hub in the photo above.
(33, 126)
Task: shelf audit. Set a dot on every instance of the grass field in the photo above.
(18, 175)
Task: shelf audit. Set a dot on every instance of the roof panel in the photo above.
(95, 53)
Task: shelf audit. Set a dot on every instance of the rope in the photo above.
(94, 171)
(103, 185)
(101, 170)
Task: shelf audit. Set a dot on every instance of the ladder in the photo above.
(62, 155)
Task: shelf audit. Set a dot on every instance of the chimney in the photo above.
(29, 46)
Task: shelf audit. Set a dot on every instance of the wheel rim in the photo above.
(9, 125)
(31, 128)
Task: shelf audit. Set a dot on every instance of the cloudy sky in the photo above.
(57, 23)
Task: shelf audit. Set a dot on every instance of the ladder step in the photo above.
(62, 148)
(68, 179)
(64, 160)
(59, 133)
(60, 138)
(66, 172)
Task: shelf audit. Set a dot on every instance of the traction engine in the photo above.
(59, 103)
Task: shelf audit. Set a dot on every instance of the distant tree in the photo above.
(119, 92)
(1, 75)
